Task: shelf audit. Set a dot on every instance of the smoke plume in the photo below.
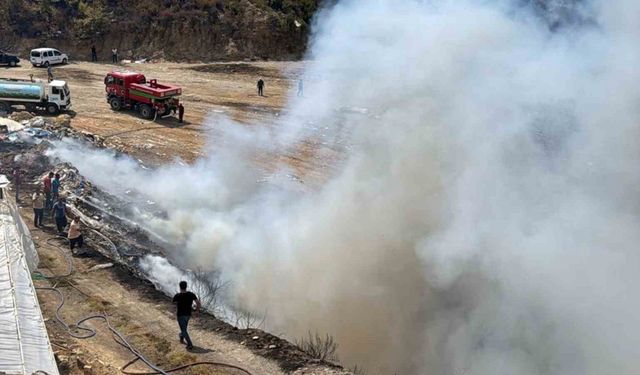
(484, 217)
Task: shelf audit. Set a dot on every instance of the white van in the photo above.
(47, 56)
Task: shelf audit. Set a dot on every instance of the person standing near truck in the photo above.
(180, 112)
(50, 73)
(260, 87)
(94, 54)
(114, 55)
(184, 301)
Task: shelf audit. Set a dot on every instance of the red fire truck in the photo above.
(130, 90)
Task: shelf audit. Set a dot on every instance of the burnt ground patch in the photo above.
(238, 68)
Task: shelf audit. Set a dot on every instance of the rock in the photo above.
(255, 338)
(63, 120)
(21, 116)
(37, 122)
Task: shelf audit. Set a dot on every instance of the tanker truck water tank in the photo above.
(20, 91)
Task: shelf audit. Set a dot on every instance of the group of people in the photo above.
(114, 55)
(47, 198)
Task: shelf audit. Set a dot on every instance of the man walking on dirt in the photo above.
(260, 87)
(50, 73)
(94, 54)
(184, 300)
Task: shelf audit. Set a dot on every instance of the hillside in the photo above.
(179, 30)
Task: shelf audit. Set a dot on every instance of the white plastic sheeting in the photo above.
(24, 344)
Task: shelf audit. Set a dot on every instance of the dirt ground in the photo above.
(143, 314)
(208, 89)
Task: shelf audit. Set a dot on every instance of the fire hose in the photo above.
(117, 336)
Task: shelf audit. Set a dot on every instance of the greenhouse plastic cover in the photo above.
(24, 344)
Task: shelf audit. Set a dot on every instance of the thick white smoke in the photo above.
(485, 217)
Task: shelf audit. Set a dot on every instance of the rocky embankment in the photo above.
(177, 30)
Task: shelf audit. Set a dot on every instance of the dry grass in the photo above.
(320, 347)
(98, 305)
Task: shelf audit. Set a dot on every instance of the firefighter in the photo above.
(260, 87)
(180, 112)
(94, 54)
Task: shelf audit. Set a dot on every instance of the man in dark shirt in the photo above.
(261, 87)
(185, 300)
(180, 112)
(59, 212)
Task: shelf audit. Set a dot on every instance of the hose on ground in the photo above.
(92, 332)
(114, 248)
(117, 336)
(184, 367)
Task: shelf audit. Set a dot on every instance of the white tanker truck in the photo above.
(51, 97)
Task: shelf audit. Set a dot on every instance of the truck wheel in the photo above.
(46, 64)
(12, 64)
(146, 111)
(5, 107)
(115, 103)
(52, 109)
